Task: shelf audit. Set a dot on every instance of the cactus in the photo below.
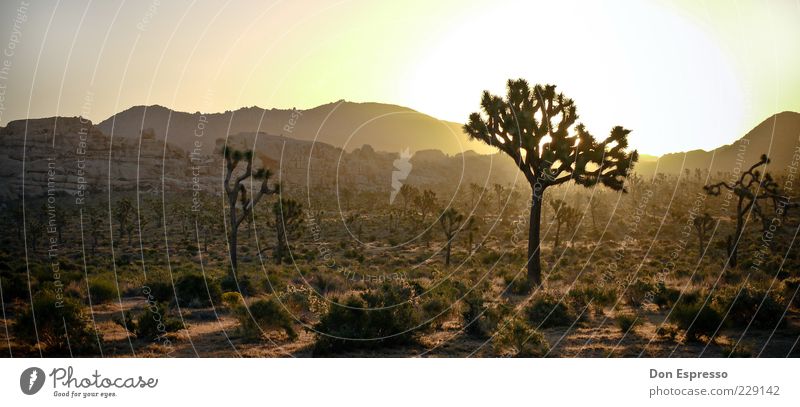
(537, 128)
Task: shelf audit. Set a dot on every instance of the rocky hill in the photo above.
(778, 136)
(343, 124)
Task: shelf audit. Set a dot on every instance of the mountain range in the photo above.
(337, 145)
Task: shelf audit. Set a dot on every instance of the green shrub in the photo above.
(481, 318)
(664, 296)
(102, 290)
(627, 323)
(243, 285)
(15, 286)
(152, 324)
(754, 307)
(547, 311)
(791, 290)
(62, 325)
(516, 338)
(232, 299)
(590, 300)
(263, 315)
(440, 303)
(196, 291)
(159, 291)
(380, 317)
(639, 293)
(696, 319)
(667, 331)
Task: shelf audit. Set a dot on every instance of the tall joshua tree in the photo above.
(537, 128)
(750, 189)
(451, 222)
(240, 201)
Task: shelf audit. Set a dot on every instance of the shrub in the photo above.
(152, 324)
(263, 315)
(15, 286)
(737, 351)
(327, 283)
(516, 283)
(627, 323)
(481, 318)
(159, 291)
(439, 304)
(696, 319)
(243, 285)
(195, 291)
(791, 290)
(667, 331)
(754, 307)
(62, 325)
(516, 338)
(589, 300)
(232, 299)
(547, 311)
(380, 317)
(102, 290)
(639, 293)
(664, 296)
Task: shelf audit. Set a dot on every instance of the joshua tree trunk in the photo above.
(233, 237)
(447, 252)
(558, 233)
(534, 267)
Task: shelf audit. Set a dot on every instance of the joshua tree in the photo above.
(407, 195)
(451, 222)
(750, 188)
(563, 215)
(702, 224)
(288, 219)
(424, 203)
(471, 226)
(122, 215)
(536, 128)
(94, 224)
(239, 200)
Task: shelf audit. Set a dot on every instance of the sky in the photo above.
(681, 74)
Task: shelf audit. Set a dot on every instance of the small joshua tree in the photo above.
(122, 215)
(451, 222)
(424, 203)
(288, 220)
(537, 128)
(702, 225)
(563, 214)
(240, 202)
(751, 188)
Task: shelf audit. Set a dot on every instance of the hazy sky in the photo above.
(682, 74)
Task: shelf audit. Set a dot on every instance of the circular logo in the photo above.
(31, 380)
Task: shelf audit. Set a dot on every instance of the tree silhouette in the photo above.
(750, 188)
(288, 219)
(537, 129)
(122, 215)
(239, 200)
(424, 203)
(563, 214)
(702, 225)
(451, 222)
